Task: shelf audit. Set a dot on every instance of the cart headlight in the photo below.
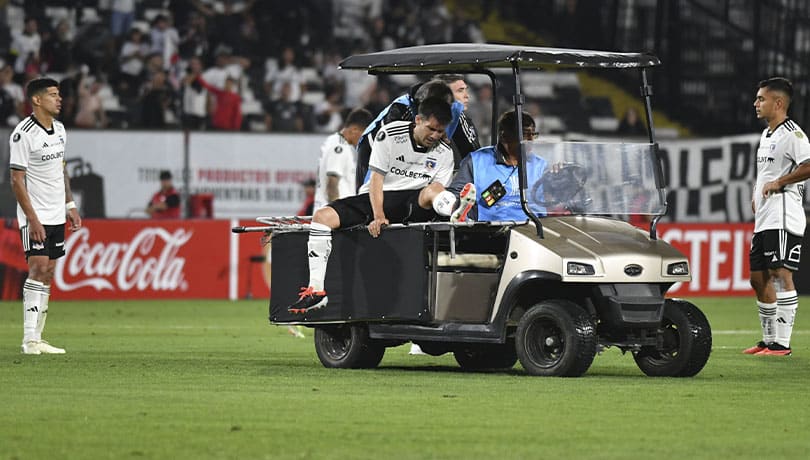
(678, 269)
(577, 268)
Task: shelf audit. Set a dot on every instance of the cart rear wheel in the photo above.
(347, 346)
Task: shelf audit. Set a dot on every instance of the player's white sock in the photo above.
(767, 318)
(43, 312)
(444, 203)
(319, 247)
(32, 304)
(786, 305)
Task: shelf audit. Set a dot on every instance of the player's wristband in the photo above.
(70, 205)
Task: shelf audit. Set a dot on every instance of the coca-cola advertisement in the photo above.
(203, 259)
(147, 259)
(125, 259)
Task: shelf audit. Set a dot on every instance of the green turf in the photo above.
(208, 379)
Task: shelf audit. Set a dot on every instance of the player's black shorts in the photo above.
(399, 206)
(53, 246)
(771, 249)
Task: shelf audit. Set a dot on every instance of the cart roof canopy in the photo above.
(460, 57)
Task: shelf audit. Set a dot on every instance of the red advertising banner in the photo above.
(11, 252)
(202, 259)
(253, 264)
(718, 257)
(135, 259)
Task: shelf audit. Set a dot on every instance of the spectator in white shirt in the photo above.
(25, 45)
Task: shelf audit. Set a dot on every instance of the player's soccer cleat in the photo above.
(466, 200)
(756, 348)
(295, 331)
(775, 349)
(30, 347)
(48, 349)
(308, 299)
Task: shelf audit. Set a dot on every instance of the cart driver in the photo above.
(494, 172)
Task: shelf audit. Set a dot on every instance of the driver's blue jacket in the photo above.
(486, 165)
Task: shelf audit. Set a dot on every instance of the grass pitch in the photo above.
(210, 379)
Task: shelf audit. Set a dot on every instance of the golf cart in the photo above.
(550, 291)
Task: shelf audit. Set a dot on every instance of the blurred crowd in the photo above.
(268, 65)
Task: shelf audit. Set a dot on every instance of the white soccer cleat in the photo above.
(416, 350)
(48, 349)
(465, 203)
(295, 331)
(30, 347)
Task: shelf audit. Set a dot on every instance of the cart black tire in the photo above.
(347, 346)
(686, 343)
(556, 338)
(480, 357)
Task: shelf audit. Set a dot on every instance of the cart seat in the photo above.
(486, 261)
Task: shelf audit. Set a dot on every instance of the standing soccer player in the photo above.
(338, 161)
(783, 164)
(42, 189)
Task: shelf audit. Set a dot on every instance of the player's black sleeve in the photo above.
(363, 157)
(399, 112)
(466, 136)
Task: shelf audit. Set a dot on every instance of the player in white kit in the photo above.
(338, 161)
(783, 164)
(42, 189)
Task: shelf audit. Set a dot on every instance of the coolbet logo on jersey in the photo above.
(53, 156)
(409, 173)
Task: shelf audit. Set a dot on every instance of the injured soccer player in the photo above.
(411, 163)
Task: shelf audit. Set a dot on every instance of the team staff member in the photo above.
(465, 137)
(410, 165)
(783, 164)
(336, 167)
(41, 186)
(165, 203)
(494, 171)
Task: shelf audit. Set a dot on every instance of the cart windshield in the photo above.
(592, 178)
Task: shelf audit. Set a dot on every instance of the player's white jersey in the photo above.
(780, 152)
(338, 159)
(405, 165)
(41, 154)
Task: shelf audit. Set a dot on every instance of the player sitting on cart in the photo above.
(404, 108)
(410, 166)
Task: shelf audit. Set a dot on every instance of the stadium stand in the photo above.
(713, 52)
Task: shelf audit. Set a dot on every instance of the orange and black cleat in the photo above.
(466, 202)
(308, 299)
(756, 348)
(775, 349)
